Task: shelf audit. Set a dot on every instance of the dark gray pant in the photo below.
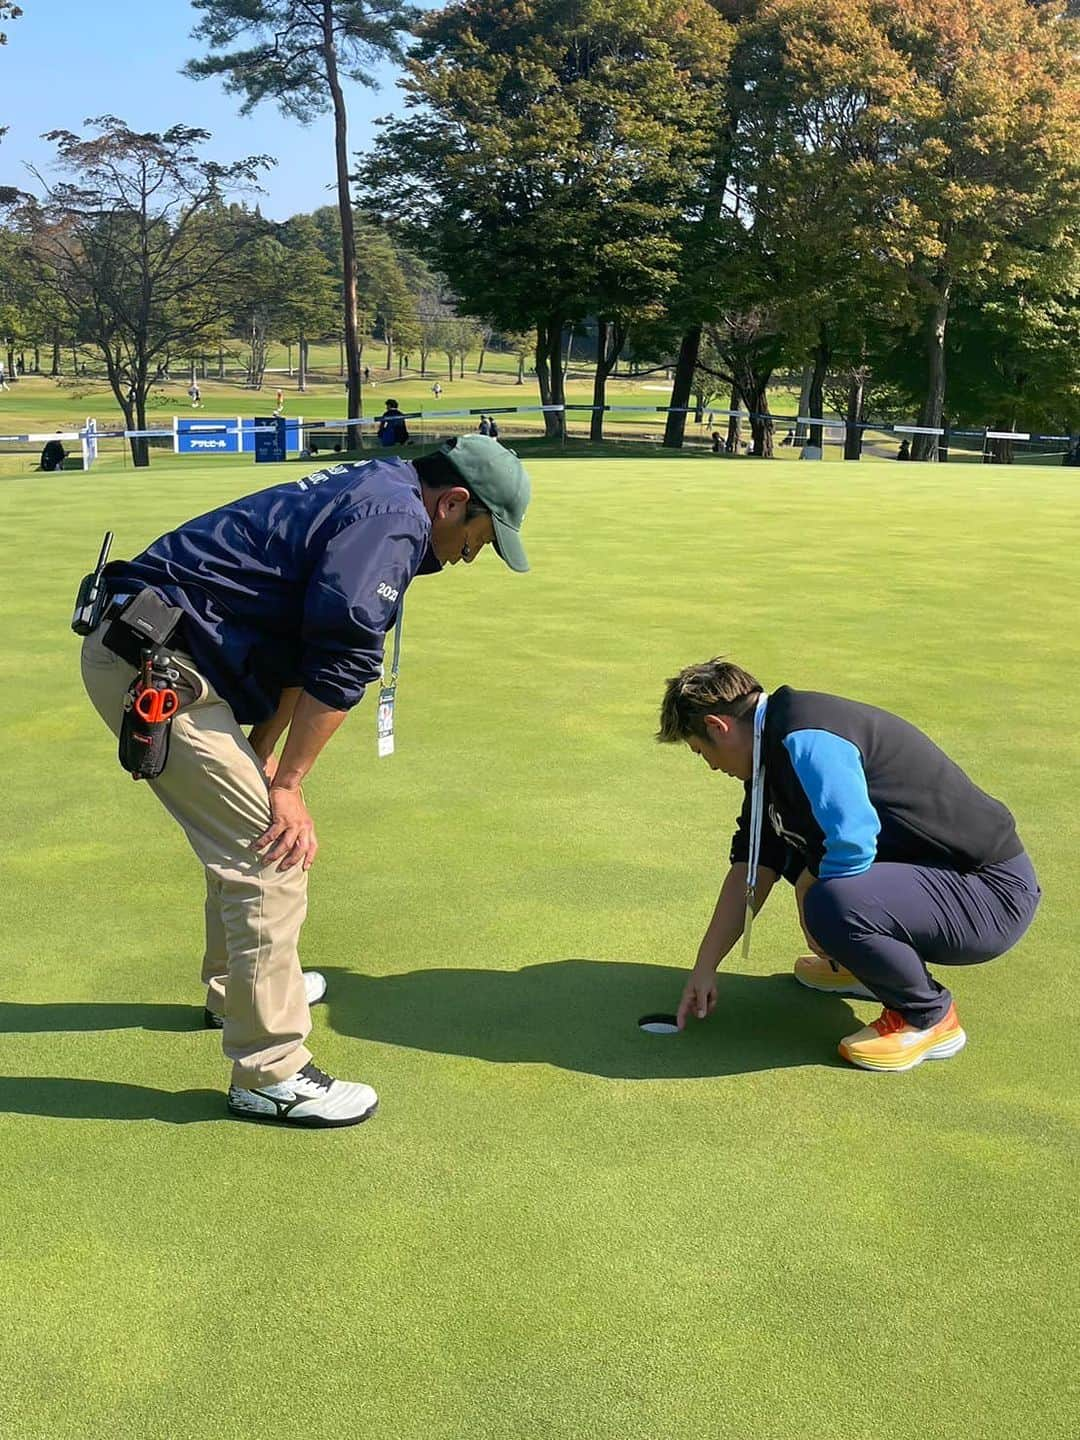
(887, 924)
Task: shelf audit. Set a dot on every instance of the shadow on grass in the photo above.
(97, 1015)
(582, 1015)
(575, 1014)
(61, 1097)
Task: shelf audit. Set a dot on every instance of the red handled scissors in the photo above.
(155, 706)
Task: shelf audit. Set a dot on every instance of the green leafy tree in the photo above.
(122, 245)
(308, 291)
(298, 55)
(521, 344)
(550, 152)
(985, 165)
(815, 120)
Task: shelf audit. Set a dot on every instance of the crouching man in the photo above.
(907, 863)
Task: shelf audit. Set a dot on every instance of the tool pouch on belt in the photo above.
(145, 620)
(160, 689)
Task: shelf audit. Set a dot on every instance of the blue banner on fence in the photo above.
(288, 427)
(268, 438)
(206, 436)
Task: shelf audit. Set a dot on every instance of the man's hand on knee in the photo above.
(290, 839)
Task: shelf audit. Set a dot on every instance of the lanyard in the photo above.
(395, 664)
(384, 715)
(757, 809)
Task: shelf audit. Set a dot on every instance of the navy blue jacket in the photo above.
(847, 784)
(295, 585)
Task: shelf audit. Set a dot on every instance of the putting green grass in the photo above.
(557, 1228)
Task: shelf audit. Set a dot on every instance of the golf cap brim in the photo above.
(508, 545)
(496, 477)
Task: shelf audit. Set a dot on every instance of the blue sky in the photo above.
(66, 60)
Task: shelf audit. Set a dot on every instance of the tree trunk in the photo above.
(755, 389)
(734, 424)
(596, 423)
(37, 359)
(610, 338)
(521, 369)
(221, 362)
(853, 435)
(348, 231)
(450, 364)
(423, 360)
(925, 447)
(480, 362)
(389, 350)
(301, 356)
(801, 431)
(815, 398)
(675, 427)
(549, 374)
(140, 449)
(569, 346)
(55, 356)
(1003, 452)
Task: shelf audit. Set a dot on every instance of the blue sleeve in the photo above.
(830, 771)
(351, 601)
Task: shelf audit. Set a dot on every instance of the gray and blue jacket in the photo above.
(847, 784)
(295, 585)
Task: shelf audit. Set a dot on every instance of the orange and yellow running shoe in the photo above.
(818, 974)
(890, 1043)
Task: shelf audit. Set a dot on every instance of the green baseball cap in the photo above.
(497, 478)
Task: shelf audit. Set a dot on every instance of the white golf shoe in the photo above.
(314, 992)
(310, 1098)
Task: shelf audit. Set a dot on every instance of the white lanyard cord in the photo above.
(757, 816)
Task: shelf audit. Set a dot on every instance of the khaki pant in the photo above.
(214, 787)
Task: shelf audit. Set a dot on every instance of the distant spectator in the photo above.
(392, 428)
(279, 402)
(493, 429)
(485, 425)
(337, 447)
(53, 455)
(1073, 456)
(904, 453)
(367, 374)
(717, 443)
(3, 377)
(436, 390)
(195, 394)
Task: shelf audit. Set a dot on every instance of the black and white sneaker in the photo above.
(310, 1097)
(314, 990)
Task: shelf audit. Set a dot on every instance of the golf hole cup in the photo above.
(658, 1025)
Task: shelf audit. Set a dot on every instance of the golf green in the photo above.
(557, 1228)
